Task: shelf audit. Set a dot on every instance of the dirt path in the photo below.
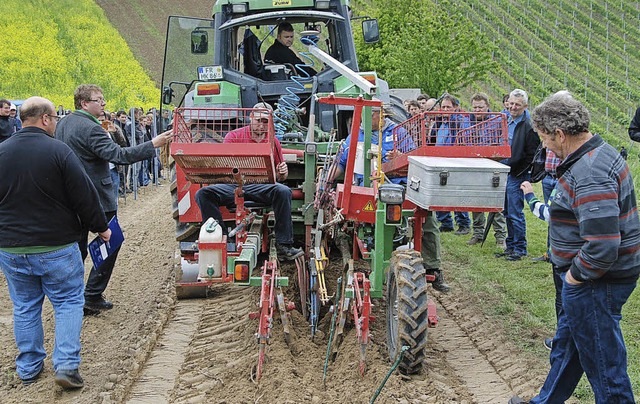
(116, 343)
(152, 349)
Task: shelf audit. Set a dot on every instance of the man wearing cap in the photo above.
(397, 140)
(13, 113)
(277, 195)
(7, 123)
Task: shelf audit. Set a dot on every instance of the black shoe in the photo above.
(34, 378)
(517, 400)
(446, 229)
(288, 253)
(548, 343)
(90, 312)
(439, 284)
(69, 379)
(543, 258)
(514, 257)
(505, 253)
(462, 231)
(99, 304)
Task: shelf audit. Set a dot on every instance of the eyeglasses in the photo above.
(99, 101)
(54, 117)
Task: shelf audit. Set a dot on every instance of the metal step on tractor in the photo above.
(214, 72)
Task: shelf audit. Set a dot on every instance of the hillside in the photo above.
(585, 46)
(143, 24)
(580, 45)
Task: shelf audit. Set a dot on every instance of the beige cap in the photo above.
(261, 114)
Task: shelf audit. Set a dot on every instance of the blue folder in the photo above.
(100, 250)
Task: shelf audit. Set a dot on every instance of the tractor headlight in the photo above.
(322, 4)
(391, 193)
(311, 148)
(239, 8)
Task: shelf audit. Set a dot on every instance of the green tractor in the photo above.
(214, 72)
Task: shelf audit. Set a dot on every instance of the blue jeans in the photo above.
(513, 212)
(59, 275)
(548, 184)
(462, 219)
(143, 173)
(277, 195)
(589, 340)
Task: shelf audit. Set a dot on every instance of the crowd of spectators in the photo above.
(119, 126)
(443, 122)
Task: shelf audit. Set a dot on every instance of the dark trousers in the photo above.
(589, 341)
(276, 195)
(462, 219)
(516, 222)
(557, 282)
(98, 278)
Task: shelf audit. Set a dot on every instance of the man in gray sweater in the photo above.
(91, 143)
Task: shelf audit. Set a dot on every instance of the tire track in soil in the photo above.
(161, 370)
(222, 353)
(490, 366)
(468, 360)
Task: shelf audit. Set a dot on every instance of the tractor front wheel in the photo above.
(407, 302)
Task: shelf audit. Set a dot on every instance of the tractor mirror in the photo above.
(167, 95)
(370, 31)
(199, 42)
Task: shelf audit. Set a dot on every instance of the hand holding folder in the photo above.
(100, 250)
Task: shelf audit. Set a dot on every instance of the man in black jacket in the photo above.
(46, 199)
(524, 142)
(82, 132)
(634, 127)
(280, 51)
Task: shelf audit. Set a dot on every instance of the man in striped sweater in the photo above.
(595, 243)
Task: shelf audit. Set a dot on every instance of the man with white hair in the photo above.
(13, 113)
(524, 142)
(595, 243)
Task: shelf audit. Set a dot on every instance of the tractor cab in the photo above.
(221, 63)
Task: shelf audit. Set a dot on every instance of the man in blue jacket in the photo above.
(394, 141)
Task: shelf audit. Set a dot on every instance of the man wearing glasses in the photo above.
(39, 252)
(92, 144)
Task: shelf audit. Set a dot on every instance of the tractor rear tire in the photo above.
(184, 231)
(407, 304)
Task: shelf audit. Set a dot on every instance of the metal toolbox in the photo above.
(463, 184)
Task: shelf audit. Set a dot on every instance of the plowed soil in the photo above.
(152, 348)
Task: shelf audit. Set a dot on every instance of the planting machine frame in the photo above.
(331, 105)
